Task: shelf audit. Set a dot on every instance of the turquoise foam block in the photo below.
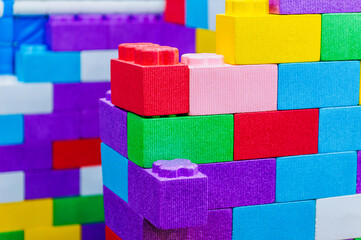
(11, 129)
(318, 85)
(316, 176)
(115, 171)
(55, 67)
(281, 221)
(197, 14)
(339, 129)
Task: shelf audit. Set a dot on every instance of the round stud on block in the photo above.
(175, 168)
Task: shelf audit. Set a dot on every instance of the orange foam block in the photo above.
(218, 88)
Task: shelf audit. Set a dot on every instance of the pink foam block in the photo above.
(217, 88)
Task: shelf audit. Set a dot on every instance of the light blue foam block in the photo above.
(11, 129)
(339, 129)
(197, 14)
(318, 85)
(316, 176)
(281, 221)
(115, 171)
(34, 63)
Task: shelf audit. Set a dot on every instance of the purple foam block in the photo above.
(78, 96)
(76, 33)
(113, 126)
(89, 124)
(51, 184)
(314, 6)
(240, 183)
(50, 127)
(358, 186)
(93, 231)
(173, 194)
(28, 156)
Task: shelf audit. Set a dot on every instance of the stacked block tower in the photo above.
(54, 66)
(265, 148)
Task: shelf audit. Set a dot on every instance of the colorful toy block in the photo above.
(6, 28)
(215, 7)
(318, 85)
(316, 176)
(12, 129)
(205, 41)
(91, 181)
(148, 80)
(95, 231)
(17, 235)
(247, 34)
(196, 14)
(12, 187)
(71, 232)
(216, 88)
(95, 65)
(173, 194)
(175, 11)
(276, 134)
(29, 30)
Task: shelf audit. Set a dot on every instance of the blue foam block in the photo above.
(29, 30)
(316, 176)
(318, 85)
(6, 30)
(56, 67)
(281, 221)
(6, 60)
(11, 129)
(197, 14)
(339, 129)
(115, 171)
(8, 8)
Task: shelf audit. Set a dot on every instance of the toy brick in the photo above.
(56, 67)
(12, 129)
(339, 129)
(215, 7)
(275, 221)
(91, 181)
(338, 218)
(148, 80)
(197, 14)
(115, 171)
(6, 29)
(27, 156)
(78, 210)
(318, 85)
(175, 11)
(113, 126)
(94, 231)
(29, 30)
(76, 153)
(7, 8)
(340, 36)
(275, 134)
(51, 184)
(50, 127)
(240, 183)
(95, 65)
(247, 34)
(7, 59)
(76, 33)
(316, 176)
(78, 96)
(173, 194)
(216, 88)
(15, 216)
(210, 139)
(12, 187)
(18, 235)
(89, 124)
(205, 41)
(71, 232)
(25, 98)
(312, 7)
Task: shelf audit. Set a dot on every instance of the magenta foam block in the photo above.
(173, 194)
(94, 231)
(51, 184)
(358, 185)
(314, 6)
(78, 96)
(113, 122)
(27, 156)
(240, 183)
(89, 123)
(55, 126)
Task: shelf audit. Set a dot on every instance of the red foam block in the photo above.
(175, 11)
(275, 134)
(110, 235)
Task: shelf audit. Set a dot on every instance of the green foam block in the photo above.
(341, 36)
(19, 235)
(78, 210)
(201, 139)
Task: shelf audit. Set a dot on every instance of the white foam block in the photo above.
(338, 218)
(91, 182)
(25, 98)
(95, 65)
(215, 7)
(12, 187)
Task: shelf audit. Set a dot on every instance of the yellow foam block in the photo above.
(70, 232)
(26, 214)
(205, 41)
(246, 34)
